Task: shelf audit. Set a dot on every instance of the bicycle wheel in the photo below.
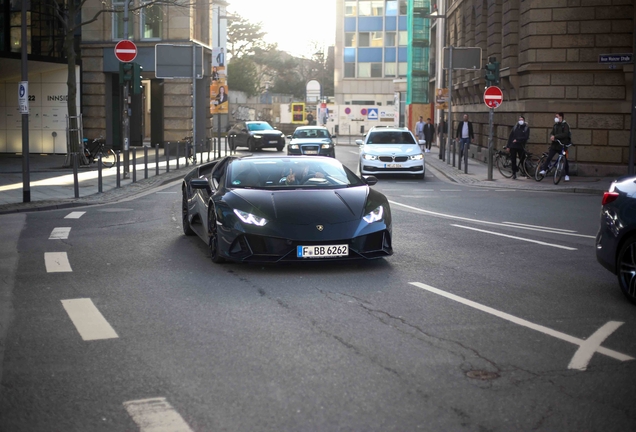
(537, 176)
(559, 170)
(504, 165)
(530, 165)
(109, 158)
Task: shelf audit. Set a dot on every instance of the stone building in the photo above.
(549, 53)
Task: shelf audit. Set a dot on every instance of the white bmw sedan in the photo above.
(391, 150)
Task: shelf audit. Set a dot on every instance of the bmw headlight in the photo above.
(258, 136)
(419, 156)
(370, 157)
(294, 146)
(374, 216)
(249, 218)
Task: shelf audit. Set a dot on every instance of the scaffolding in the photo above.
(418, 52)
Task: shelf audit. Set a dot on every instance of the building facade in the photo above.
(549, 54)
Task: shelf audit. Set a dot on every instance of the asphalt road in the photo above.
(493, 314)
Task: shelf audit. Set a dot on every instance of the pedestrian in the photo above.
(429, 134)
(560, 132)
(310, 119)
(516, 144)
(465, 134)
(419, 131)
(442, 130)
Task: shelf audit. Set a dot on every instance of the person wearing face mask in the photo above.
(516, 143)
(560, 132)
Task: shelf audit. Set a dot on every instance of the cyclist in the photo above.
(560, 132)
(516, 143)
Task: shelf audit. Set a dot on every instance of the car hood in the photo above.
(303, 207)
(267, 132)
(301, 141)
(401, 149)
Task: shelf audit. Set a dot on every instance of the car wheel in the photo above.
(280, 147)
(213, 236)
(626, 266)
(187, 229)
(251, 145)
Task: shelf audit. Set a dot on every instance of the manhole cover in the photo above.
(481, 375)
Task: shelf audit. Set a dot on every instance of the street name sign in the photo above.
(125, 51)
(493, 96)
(616, 58)
(23, 97)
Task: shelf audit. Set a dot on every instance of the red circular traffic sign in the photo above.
(125, 51)
(493, 96)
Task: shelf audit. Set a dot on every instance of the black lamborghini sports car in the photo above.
(285, 208)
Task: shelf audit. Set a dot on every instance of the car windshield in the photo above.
(390, 137)
(311, 133)
(259, 126)
(292, 172)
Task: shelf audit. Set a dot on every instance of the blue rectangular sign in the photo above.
(616, 58)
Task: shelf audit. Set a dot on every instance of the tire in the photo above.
(109, 158)
(187, 229)
(558, 171)
(626, 269)
(504, 166)
(251, 145)
(530, 165)
(213, 239)
(538, 177)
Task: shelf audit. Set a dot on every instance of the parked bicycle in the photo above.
(504, 164)
(96, 149)
(557, 165)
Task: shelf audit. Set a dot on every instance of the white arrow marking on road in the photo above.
(156, 415)
(520, 321)
(60, 233)
(74, 215)
(57, 262)
(587, 349)
(88, 320)
(517, 238)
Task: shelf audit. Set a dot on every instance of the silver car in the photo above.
(391, 150)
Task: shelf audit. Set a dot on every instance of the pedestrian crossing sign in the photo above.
(373, 114)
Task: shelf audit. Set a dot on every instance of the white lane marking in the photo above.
(355, 153)
(450, 190)
(166, 192)
(587, 349)
(520, 321)
(60, 233)
(539, 226)
(88, 320)
(516, 238)
(156, 415)
(505, 190)
(448, 216)
(57, 262)
(74, 215)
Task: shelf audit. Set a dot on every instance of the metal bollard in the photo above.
(75, 178)
(187, 150)
(118, 169)
(157, 159)
(454, 151)
(178, 154)
(225, 144)
(167, 152)
(100, 188)
(466, 160)
(134, 161)
(145, 162)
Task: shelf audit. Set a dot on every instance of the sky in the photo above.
(292, 24)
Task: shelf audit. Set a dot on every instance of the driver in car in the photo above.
(300, 175)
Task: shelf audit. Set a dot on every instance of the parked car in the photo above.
(311, 140)
(391, 150)
(256, 135)
(285, 208)
(616, 238)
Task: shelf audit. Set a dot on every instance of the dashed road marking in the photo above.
(57, 262)
(593, 345)
(450, 190)
(60, 233)
(517, 238)
(156, 415)
(166, 192)
(540, 227)
(74, 215)
(88, 320)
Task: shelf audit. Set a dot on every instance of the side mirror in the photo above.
(243, 130)
(334, 136)
(359, 142)
(288, 137)
(200, 183)
(370, 180)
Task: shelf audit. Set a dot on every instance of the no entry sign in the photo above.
(125, 51)
(493, 96)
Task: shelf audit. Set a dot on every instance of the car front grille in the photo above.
(378, 169)
(394, 158)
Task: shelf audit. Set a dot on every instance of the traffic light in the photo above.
(492, 72)
(136, 78)
(125, 72)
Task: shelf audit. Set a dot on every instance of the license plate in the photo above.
(393, 165)
(311, 151)
(322, 251)
(273, 142)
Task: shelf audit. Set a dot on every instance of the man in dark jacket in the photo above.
(560, 132)
(429, 134)
(465, 134)
(516, 143)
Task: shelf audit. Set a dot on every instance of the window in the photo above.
(376, 39)
(377, 8)
(389, 39)
(376, 70)
(403, 7)
(16, 31)
(389, 69)
(350, 39)
(402, 68)
(151, 22)
(350, 70)
(351, 8)
(364, 40)
(118, 21)
(364, 8)
(364, 70)
(391, 8)
(403, 38)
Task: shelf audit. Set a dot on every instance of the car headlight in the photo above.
(258, 136)
(249, 218)
(326, 146)
(369, 157)
(294, 146)
(375, 215)
(417, 157)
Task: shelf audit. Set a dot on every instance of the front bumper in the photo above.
(311, 150)
(268, 142)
